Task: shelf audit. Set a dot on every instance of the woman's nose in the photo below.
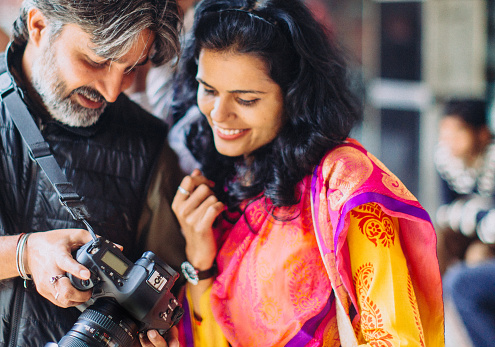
(221, 110)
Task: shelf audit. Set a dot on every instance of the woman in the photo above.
(274, 152)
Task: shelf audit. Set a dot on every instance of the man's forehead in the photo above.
(132, 53)
(135, 51)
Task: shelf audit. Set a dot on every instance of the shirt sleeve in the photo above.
(385, 294)
(158, 228)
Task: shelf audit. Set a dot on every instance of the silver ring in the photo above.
(183, 191)
(56, 296)
(55, 279)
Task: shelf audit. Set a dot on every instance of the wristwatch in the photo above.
(193, 275)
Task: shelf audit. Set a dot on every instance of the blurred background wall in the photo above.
(406, 58)
(9, 10)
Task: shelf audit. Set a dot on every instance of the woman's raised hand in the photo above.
(196, 208)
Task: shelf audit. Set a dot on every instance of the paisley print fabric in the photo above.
(388, 308)
(274, 286)
(399, 260)
(375, 224)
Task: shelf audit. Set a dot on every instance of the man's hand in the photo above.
(153, 339)
(48, 258)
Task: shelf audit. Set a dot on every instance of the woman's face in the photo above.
(243, 105)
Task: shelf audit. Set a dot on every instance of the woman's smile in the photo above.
(243, 105)
(228, 134)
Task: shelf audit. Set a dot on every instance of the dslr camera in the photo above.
(127, 298)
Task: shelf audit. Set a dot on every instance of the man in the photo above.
(70, 61)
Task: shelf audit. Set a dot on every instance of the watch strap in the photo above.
(194, 275)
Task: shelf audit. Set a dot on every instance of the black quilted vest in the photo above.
(109, 164)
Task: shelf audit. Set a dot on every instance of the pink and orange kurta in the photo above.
(377, 248)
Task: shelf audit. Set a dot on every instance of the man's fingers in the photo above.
(70, 265)
(79, 237)
(152, 339)
(64, 294)
(173, 337)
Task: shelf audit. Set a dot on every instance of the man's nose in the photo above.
(113, 83)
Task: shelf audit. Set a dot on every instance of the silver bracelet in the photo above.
(19, 258)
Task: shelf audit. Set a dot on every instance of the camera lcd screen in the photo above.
(114, 262)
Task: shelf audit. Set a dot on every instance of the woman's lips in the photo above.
(229, 134)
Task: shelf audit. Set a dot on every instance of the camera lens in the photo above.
(104, 323)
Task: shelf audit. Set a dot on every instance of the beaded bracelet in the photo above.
(19, 258)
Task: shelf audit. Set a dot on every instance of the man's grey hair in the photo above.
(114, 25)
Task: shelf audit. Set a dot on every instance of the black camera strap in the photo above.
(40, 151)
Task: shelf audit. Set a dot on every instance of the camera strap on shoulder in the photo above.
(40, 151)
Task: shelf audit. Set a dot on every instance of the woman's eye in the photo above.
(208, 91)
(247, 102)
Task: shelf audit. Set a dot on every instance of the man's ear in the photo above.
(37, 26)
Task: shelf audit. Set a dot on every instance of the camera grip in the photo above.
(81, 284)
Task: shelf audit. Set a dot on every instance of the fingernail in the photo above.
(85, 273)
(152, 334)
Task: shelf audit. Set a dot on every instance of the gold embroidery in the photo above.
(417, 319)
(375, 224)
(392, 182)
(371, 317)
(346, 169)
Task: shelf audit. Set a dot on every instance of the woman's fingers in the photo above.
(202, 213)
(196, 208)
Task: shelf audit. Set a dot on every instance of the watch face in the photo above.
(190, 272)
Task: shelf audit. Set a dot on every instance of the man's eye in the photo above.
(130, 70)
(97, 65)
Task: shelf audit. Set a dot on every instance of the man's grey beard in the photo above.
(53, 92)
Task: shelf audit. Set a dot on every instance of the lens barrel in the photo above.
(104, 323)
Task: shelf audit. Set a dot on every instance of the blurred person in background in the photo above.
(470, 288)
(465, 161)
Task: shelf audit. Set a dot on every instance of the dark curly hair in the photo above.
(318, 104)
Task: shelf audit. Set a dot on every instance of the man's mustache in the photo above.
(89, 93)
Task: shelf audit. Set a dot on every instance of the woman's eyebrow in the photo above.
(236, 91)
